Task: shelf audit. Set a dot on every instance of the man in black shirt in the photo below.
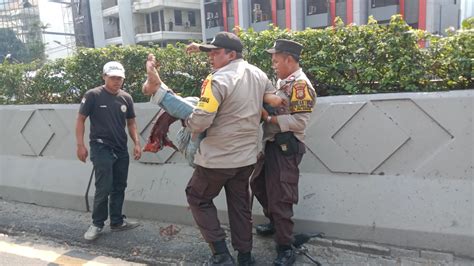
(110, 109)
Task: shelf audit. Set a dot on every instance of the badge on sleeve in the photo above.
(302, 97)
(207, 102)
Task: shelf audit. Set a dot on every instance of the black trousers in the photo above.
(276, 188)
(204, 186)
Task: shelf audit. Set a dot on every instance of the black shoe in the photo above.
(221, 259)
(126, 225)
(245, 259)
(286, 256)
(265, 229)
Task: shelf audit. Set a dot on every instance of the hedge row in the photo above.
(339, 60)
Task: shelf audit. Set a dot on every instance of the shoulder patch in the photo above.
(302, 99)
(207, 101)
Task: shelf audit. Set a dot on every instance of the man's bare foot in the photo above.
(153, 81)
(151, 69)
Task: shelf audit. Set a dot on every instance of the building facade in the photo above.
(127, 22)
(431, 15)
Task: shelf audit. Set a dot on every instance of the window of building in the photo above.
(178, 18)
(213, 13)
(314, 7)
(261, 10)
(154, 22)
(381, 3)
(148, 23)
(230, 8)
(162, 20)
(117, 22)
(280, 4)
(192, 18)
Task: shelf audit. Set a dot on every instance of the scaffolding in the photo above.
(68, 25)
(77, 23)
(22, 17)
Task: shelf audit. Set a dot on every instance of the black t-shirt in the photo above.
(108, 115)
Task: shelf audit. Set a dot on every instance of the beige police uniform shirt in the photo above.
(300, 96)
(229, 111)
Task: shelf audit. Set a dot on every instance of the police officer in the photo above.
(276, 187)
(229, 110)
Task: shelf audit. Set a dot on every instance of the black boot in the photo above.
(286, 256)
(245, 259)
(221, 259)
(265, 229)
(221, 255)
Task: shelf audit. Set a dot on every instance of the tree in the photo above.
(10, 44)
(19, 51)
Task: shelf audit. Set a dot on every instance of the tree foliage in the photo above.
(338, 60)
(19, 51)
(10, 44)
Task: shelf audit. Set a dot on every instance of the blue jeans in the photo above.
(111, 172)
(176, 106)
(181, 108)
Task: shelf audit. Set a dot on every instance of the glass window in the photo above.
(162, 20)
(155, 21)
(314, 7)
(213, 14)
(178, 19)
(148, 23)
(280, 4)
(230, 8)
(381, 3)
(261, 10)
(192, 18)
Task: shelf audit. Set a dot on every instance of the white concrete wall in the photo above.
(97, 22)
(467, 10)
(127, 28)
(388, 168)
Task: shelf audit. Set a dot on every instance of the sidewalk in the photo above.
(157, 243)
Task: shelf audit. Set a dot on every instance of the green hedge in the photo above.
(339, 60)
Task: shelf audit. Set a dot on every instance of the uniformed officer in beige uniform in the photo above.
(229, 110)
(276, 187)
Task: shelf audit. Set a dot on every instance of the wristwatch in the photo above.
(269, 119)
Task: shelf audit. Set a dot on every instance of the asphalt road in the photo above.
(30, 250)
(156, 243)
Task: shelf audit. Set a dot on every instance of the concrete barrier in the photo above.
(387, 168)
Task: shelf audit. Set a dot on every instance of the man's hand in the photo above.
(82, 153)
(192, 48)
(264, 115)
(137, 152)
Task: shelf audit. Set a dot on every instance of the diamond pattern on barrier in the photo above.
(363, 137)
(37, 133)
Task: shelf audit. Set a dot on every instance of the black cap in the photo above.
(223, 40)
(286, 46)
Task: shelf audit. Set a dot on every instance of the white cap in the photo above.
(114, 68)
